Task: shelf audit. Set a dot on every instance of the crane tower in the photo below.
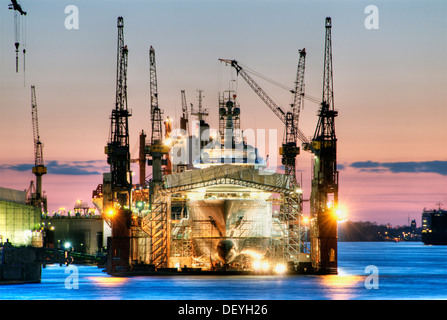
(118, 157)
(156, 222)
(291, 206)
(156, 149)
(39, 169)
(289, 150)
(324, 193)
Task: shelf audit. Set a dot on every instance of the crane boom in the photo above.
(14, 5)
(256, 88)
(39, 168)
(184, 105)
(264, 96)
(156, 117)
(299, 88)
(184, 121)
(38, 155)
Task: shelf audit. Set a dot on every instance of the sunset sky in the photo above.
(390, 87)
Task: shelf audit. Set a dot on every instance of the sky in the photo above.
(389, 88)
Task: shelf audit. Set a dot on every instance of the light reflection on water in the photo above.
(406, 271)
(108, 281)
(342, 286)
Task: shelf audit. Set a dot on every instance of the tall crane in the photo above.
(156, 222)
(156, 149)
(118, 157)
(291, 207)
(324, 193)
(297, 104)
(39, 169)
(289, 149)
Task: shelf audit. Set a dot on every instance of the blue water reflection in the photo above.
(406, 271)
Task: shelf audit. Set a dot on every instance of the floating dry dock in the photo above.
(211, 207)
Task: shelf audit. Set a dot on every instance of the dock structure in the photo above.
(211, 205)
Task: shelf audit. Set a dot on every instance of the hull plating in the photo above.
(226, 231)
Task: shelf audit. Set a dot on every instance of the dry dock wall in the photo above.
(84, 234)
(19, 264)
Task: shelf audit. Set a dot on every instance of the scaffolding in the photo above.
(188, 222)
(156, 225)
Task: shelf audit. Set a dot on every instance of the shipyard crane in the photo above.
(297, 104)
(289, 149)
(156, 148)
(39, 169)
(155, 223)
(118, 187)
(14, 5)
(184, 120)
(324, 193)
(291, 208)
(118, 155)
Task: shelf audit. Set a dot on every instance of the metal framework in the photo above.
(288, 242)
(156, 113)
(291, 207)
(324, 194)
(118, 155)
(230, 181)
(184, 120)
(117, 186)
(155, 224)
(290, 148)
(263, 95)
(201, 113)
(39, 169)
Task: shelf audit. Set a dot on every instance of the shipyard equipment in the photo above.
(155, 224)
(289, 149)
(142, 158)
(324, 193)
(291, 206)
(201, 113)
(156, 149)
(119, 185)
(37, 198)
(184, 120)
(18, 12)
(220, 211)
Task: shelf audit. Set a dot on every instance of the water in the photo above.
(406, 270)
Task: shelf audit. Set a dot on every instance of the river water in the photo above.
(367, 271)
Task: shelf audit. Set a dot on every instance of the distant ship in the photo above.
(434, 226)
